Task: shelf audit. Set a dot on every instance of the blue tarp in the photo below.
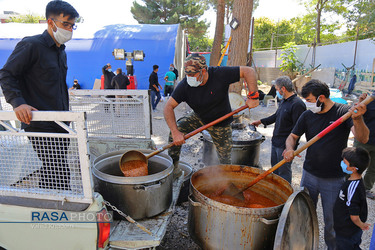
(91, 48)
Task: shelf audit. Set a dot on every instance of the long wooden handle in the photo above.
(199, 130)
(308, 144)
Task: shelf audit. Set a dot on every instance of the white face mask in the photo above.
(313, 106)
(192, 81)
(61, 35)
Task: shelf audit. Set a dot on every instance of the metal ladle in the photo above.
(132, 155)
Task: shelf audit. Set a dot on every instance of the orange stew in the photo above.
(252, 199)
(134, 168)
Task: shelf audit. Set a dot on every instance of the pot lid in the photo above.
(298, 224)
(236, 101)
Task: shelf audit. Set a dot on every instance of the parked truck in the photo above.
(35, 217)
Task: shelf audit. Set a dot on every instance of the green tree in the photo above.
(28, 18)
(200, 43)
(268, 34)
(317, 8)
(290, 63)
(184, 12)
(360, 16)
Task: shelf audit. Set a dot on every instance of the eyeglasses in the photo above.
(66, 25)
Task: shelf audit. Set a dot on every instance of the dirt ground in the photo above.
(177, 236)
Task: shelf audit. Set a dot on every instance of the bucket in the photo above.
(244, 152)
(139, 197)
(188, 172)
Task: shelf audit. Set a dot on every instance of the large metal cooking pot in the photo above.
(139, 197)
(215, 225)
(188, 172)
(244, 152)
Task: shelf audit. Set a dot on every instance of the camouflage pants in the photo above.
(221, 137)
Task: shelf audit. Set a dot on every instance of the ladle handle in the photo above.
(199, 130)
(308, 144)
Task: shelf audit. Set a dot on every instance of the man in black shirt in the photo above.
(369, 117)
(75, 85)
(108, 75)
(120, 81)
(285, 118)
(154, 87)
(34, 78)
(322, 173)
(205, 90)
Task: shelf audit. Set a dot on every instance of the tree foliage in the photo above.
(28, 18)
(268, 32)
(184, 12)
(361, 15)
(290, 63)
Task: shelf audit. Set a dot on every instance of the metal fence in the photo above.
(48, 166)
(114, 113)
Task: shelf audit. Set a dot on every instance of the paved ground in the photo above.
(177, 236)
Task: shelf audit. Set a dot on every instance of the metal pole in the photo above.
(251, 42)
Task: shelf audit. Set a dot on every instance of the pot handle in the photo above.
(194, 203)
(269, 222)
(144, 187)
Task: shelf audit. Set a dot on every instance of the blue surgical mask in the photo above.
(343, 166)
(279, 95)
(109, 70)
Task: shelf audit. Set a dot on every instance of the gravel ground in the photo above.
(177, 236)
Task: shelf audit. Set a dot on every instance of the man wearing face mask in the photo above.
(108, 76)
(205, 90)
(322, 173)
(286, 116)
(34, 78)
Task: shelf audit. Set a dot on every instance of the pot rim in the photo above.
(256, 141)
(130, 180)
(235, 209)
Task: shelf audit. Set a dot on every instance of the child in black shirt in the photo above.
(350, 210)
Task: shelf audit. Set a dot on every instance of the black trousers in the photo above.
(52, 151)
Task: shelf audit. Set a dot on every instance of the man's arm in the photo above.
(17, 63)
(290, 144)
(170, 118)
(359, 129)
(249, 74)
(104, 69)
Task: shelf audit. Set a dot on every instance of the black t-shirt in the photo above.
(351, 201)
(285, 117)
(324, 156)
(153, 79)
(211, 100)
(369, 118)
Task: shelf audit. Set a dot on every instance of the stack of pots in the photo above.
(139, 197)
